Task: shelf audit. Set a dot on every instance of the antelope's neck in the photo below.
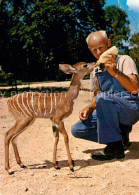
(74, 87)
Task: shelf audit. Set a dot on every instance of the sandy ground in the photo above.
(53, 84)
(84, 85)
(90, 176)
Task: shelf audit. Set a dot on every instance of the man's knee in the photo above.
(74, 130)
(99, 97)
(78, 129)
(102, 98)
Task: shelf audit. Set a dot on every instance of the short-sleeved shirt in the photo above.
(124, 63)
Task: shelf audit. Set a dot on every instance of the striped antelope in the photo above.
(26, 107)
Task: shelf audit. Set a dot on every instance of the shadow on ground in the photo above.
(131, 153)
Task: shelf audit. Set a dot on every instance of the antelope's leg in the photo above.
(17, 157)
(7, 142)
(56, 139)
(61, 128)
(13, 132)
(13, 141)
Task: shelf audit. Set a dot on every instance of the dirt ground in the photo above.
(91, 177)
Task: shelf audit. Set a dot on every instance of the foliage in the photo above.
(5, 78)
(134, 51)
(37, 35)
(41, 34)
(117, 26)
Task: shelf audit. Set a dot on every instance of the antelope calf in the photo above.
(26, 107)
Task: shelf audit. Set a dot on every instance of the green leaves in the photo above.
(134, 51)
(36, 36)
(5, 78)
(117, 25)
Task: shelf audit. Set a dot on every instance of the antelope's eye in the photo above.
(85, 65)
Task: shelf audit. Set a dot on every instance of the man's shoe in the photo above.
(125, 130)
(111, 151)
(125, 141)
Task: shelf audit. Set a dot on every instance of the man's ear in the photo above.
(66, 68)
(109, 43)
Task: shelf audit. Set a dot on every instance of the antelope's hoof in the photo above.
(22, 165)
(73, 163)
(71, 169)
(57, 167)
(10, 172)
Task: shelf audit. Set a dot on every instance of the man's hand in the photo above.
(111, 64)
(84, 114)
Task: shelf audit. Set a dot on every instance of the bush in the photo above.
(6, 78)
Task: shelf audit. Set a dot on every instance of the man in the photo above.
(115, 104)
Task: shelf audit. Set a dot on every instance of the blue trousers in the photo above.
(102, 125)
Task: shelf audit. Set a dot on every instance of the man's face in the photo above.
(98, 45)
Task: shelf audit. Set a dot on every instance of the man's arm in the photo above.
(84, 114)
(129, 82)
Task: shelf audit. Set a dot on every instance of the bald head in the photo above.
(94, 36)
(98, 42)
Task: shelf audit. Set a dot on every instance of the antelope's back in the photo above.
(35, 104)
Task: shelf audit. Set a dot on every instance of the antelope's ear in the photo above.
(66, 68)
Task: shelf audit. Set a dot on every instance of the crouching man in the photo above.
(114, 108)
